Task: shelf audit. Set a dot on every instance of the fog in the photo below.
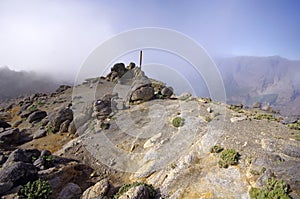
(14, 84)
(56, 37)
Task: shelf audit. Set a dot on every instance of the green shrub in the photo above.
(297, 136)
(228, 157)
(173, 165)
(236, 108)
(50, 129)
(254, 172)
(104, 126)
(40, 103)
(48, 160)
(126, 187)
(33, 107)
(273, 189)
(178, 121)
(158, 95)
(216, 149)
(269, 117)
(208, 119)
(295, 126)
(38, 189)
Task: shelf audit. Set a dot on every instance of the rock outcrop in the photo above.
(117, 71)
(10, 136)
(15, 174)
(70, 191)
(37, 116)
(60, 119)
(141, 88)
(99, 190)
(62, 88)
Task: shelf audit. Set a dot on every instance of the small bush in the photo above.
(216, 149)
(48, 160)
(208, 119)
(41, 103)
(297, 136)
(50, 129)
(104, 126)
(126, 187)
(254, 172)
(33, 107)
(236, 108)
(273, 189)
(269, 117)
(158, 95)
(178, 121)
(173, 165)
(294, 126)
(38, 189)
(228, 157)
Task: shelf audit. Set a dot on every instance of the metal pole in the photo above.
(141, 57)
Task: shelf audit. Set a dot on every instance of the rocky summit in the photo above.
(129, 136)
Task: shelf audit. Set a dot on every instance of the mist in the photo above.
(15, 84)
(56, 37)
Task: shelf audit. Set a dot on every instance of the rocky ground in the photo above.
(116, 137)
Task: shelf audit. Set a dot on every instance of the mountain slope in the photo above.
(93, 134)
(273, 80)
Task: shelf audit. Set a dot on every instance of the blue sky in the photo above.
(56, 35)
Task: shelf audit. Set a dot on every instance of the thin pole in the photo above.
(141, 57)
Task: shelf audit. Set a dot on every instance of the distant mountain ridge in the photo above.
(14, 84)
(271, 80)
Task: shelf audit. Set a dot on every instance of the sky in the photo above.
(57, 36)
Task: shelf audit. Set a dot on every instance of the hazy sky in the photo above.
(58, 35)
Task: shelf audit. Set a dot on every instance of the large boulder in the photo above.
(27, 105)
(141, 88)
(24, 107)
(72, 128)
(22, 155)
(10, 136)
(39, 133)
(117, 71)
(4, 125)
(70, 191)
(62, 88)
(16, 174)
(37, 116)
(142, 94)
(26, 113)
(131, 66)
(119, 68)
(99, 190)
(167, 92)
(58, 118)
(289, 170)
